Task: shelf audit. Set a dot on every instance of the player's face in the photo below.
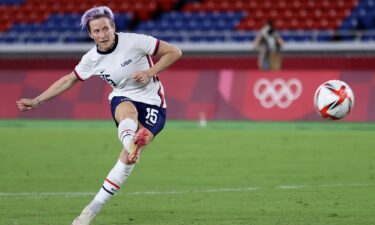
(102, 31)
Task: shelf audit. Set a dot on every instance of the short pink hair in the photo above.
(95, 13)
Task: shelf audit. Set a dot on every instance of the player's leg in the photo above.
(112, 183)
(151, 120)
(125, 114)
(126, 117)
(140, 140)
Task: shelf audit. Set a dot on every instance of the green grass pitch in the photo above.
(228, 173)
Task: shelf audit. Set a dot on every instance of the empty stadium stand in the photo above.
(58, 21)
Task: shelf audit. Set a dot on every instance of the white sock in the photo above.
(126, 132)
(120, 172)
(118, 175)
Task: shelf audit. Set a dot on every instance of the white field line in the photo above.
(240, 189)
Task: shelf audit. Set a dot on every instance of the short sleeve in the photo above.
(84, 69)
(148, 44)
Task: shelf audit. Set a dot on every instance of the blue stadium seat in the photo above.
(28, 27)
(123, 21)
(349, 24)
(243, 36)
(324, 36)
(41, 38)
(12, 2)
(178, 21)
(297, 37)
(368, 37)
(212, 24)
(170, 38)
(77, 39)
(9, 38)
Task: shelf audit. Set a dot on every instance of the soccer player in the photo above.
(137, 101)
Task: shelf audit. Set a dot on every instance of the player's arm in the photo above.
(168, 54)
(257, 40)
(61, 85)
(280, 40)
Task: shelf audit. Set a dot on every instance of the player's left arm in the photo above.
(168, 54)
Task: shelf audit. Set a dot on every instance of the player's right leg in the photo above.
(141, 138)
(126, 115)
(151, 120)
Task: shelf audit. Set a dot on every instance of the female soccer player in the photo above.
(137, 101)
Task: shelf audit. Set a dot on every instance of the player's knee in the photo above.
(126, 110)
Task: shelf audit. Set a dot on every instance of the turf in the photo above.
(226, 173)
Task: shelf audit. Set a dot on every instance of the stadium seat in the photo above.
(12, 2)
(177, 20)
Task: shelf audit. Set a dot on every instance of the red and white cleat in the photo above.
(140, 139)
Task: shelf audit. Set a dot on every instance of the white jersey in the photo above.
(131, 53)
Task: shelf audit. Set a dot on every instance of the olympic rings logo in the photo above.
(277, 92)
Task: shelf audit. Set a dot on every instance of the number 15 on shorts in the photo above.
(152, 116)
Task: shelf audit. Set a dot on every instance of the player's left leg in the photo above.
(150, 122)
(112, 183)
(126, 115)
(116, 177)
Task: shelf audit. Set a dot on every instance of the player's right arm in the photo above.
(58, 87)
(257, 40)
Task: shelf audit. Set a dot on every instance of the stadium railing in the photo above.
(348, 41)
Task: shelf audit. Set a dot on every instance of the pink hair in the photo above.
(95, 13)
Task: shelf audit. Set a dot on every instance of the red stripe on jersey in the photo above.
(114, 185)
(161, 94)
(156, 47)
(78, 76)
(155, 78)
(150, 62)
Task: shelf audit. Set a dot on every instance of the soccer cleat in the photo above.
(139, 140)
(85, 218)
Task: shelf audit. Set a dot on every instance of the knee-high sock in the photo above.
(126, 132)
(113, 182)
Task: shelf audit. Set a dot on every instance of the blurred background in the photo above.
(218, 77)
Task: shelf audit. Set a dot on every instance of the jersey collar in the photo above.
(110, 50)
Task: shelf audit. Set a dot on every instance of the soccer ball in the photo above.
(333, 100)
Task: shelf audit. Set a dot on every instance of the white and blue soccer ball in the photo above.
(334, 100)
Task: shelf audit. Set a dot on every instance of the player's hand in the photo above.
(27, 104)
(141, 77)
